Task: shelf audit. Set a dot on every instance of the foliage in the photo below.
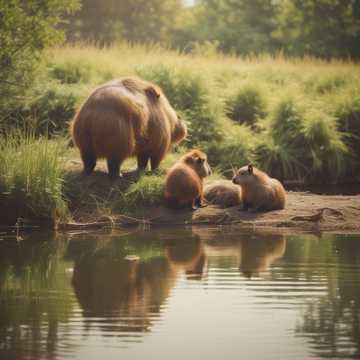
(70, 72)
(323, 28)
(132, 20)
(26, 28)
(247, 105)
(31, 178)
(189, 95)
(147, 191)
(348, 113)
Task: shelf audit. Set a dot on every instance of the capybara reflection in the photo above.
(259, 253)
(259, 191)
(184, 181)
(128, 287)
(124, 118)
(188, 256)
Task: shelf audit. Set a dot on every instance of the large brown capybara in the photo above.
(124, 118)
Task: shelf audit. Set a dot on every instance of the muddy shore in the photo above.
(304, 212)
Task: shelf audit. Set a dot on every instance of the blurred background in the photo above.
(323, 28)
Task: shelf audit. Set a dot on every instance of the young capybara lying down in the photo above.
(124, 118)
(184, 181)
(259, 191)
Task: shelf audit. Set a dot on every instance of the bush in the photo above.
(188, 94)
(247, 105)
(324, 152)
(71, 72)
(326, 83)
(31, 178)
(27, 28)
(348, 115)
(147, 191)
(287, 123)
(233, 152)
(303, 144)
(47, 114)
(278, 160)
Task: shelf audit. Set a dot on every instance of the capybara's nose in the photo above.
(234, 180)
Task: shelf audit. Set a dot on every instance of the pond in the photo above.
(197, 293)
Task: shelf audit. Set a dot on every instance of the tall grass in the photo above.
(299, 116)
(31, 178)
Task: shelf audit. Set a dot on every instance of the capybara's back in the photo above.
(122, 119)
(184, 181)
(259, 191)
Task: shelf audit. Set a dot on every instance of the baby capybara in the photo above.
(184, 181)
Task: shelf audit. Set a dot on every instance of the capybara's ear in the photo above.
(250, 169)
(152, 93)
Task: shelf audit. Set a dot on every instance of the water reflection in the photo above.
(35, 296)
(127, 292)
(332, 322)
(58, 293)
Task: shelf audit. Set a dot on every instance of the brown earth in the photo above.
(304, 212)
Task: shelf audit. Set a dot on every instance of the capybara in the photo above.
(124, 118)
(259, 191)
(223, 193)
(184, 181)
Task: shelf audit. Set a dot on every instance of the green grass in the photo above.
(31, 178)
(298, 119)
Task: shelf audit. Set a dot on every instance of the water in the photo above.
(180, 293)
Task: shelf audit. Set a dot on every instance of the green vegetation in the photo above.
(301, 122)
(324, 28)
(31, 178)
(26, 28)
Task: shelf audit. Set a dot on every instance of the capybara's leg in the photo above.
(199, 202)
(245, 206)
(89, 161)
(142, 161)
(114, 167)
(155, 161)
(194, 205)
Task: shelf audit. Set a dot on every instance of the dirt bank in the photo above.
(304, 211)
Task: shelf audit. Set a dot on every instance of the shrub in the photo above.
(234, 151)
(325, 153)
(147, 191)
(46, 114)
(328, 83)
(188, 94)
(31, 178)
(348, 114)
(71, 72)
(304, 144)
(278, 160)
(247, 105)
(287, 123)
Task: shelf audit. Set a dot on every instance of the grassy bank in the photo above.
(299, 119)
(296, 118)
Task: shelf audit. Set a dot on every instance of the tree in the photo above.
(133, 20)
(323, 28)
(27, 27)
(242, 26)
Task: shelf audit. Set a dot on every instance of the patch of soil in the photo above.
(305, 211)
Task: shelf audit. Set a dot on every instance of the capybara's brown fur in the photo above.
(259, 191)
(184, 181)
(223, 193)
(124, 118)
